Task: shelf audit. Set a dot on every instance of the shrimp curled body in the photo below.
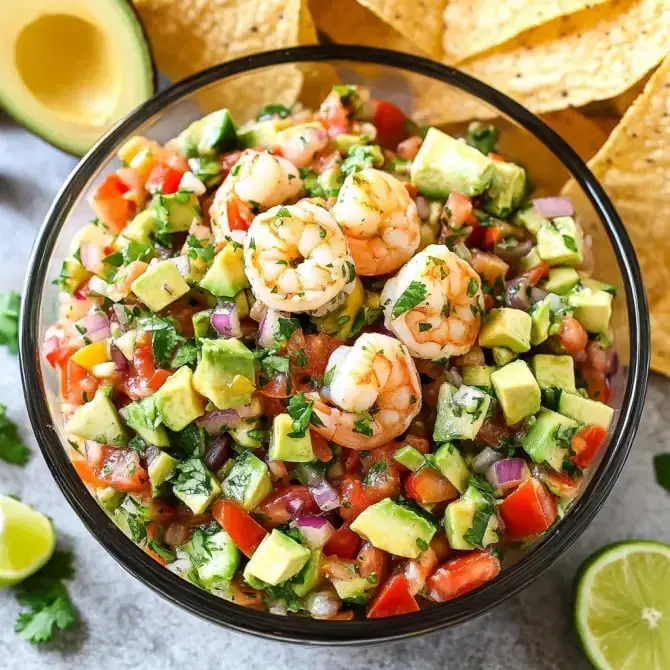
(296, 257)
(379, 219)
(374, 393)
(446, 299)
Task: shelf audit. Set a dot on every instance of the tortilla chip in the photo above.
(190, 35)
(591, 55)
(634, 168)
(583, 134)
(474, 26)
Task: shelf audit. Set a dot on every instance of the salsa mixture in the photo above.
(331, 362)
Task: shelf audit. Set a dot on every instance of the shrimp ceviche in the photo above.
(331, 363)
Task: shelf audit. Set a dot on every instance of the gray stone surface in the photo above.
(126, 626)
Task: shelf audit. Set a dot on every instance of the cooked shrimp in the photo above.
(434, 304)
(257, 181)
(379, 219)
(375, 392)
(296, 257)
(299, 144)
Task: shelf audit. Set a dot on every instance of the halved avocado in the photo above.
(72, 68)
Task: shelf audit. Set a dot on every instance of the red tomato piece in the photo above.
(492, 234)
(530, 509)
(109, 204)
(382, 478)
(239, 216)
(321, 448)
(429, 486)
(373, 561)
(121, 469)
(57, 346)
(421, 444)
(459, 576)
(243, 529)
(393, 600)
(391, 123)
(316, 350)
(158, 379)
(163, 179)
(459, 207)
(78, 385)
(586, 444)
(343, 543)
(572, 336)
(352, 497)
(285, 503)
(536, 273)
(597, 384)
(561, 484)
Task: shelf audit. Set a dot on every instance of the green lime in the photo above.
(27, 541)
(622, 606)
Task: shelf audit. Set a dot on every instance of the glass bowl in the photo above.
(423, 88)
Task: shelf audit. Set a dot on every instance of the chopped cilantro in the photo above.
(570, 243)
(300, 410)
(472, 287)
(424, 326)
(186, 354)
(273, 111)
(12, 448)
(362, 156)
(422, 544)
(283, 213)
(362, 426)
(286, 328)
(192, 478)
(482, 136)
(329, 376)
(410, 298)
(198, 250)
(188, 442)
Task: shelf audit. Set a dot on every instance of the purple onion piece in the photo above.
(537, 295)
(90, 255)
(120, 314)
(119, 359)
(217, 421)
(512, 254)
(325, 496)
(516, 294)
(183, 265)
(485, 459)
(295, 506)
(315, 529)
(269, 327)
(505, 475)
(226, 321)
(553, 207)
(95, 327)
(453, 377)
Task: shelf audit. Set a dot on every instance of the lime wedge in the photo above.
(27, 541)
(622, 606)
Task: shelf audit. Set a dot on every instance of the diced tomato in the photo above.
(599, 357)
(120, 468)
(492, 234)
(163, 179)
(561, 484)
(333, 115)
(273, 407)
(278, 473)
(342, 543)
(459, 207)
(382, 478)
(320, 446)
(391, 123)
(572, 335)
(277, 387)
(495, 157)
(597, 384)
(344, 615)
(143, 356)
(78, 385)
(158, 379)
(285, 503)
(586, 444)
(177, 162)
(459, 576)
(58, 347)
(244, 530)
(372, 561)
(429, 486)
(393, 600)
(315, 350)
(239, 216)
(536, 273)
(245, 596)
(493, 431)
(528, 510)
(109, 204)
(87, 475)
(490, 267)
(351, 460)
(352, 497)
(418, 570)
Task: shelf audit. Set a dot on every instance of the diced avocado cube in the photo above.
(508, 186)
(284, 447)
(212, 134)
(340, 322)
(98, 420)
(160, 468)
(309, 577)
(559, 242)
(449, 461)
(277, 558)
(72, 274)
(126, 343)
(540, 320)
(477, 375)
(585, 410)
(142, 228)
(109, 497)
(215, 557)
(471, 521)
(517, 391)
(410, 457)
(503, 356)
(195, 485)
(444, 164)
(176, 212)
(242, 304)
(177, 401)
(225, 373)
(460, 413)
(356, 591)
(248, 482)
(549, 437)
(593, 309)
(262, 133)
(561, 280)
(596, 285)
(506, 327)
(530, 260)
(394, 528)
(345, 141)
(248, 434)
(132, 518)
(226, 277)
(143, 417)
(160, 285)
(202, 324)
(554, 371)
(529, 218)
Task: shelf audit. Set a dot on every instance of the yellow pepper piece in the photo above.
(91, 355)
(132, 147)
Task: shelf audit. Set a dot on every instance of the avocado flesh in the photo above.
(73, 69)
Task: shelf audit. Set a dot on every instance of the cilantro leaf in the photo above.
(198, 250)
(10, 304)
(164, 339)
(362, 156)
(192, 478)
(12, 448)
(273, 111)
(286, 328)
(662, 470)
(188, 442)
(362, 425)
(39, 626)
(186, 354)
(300, 411)
(410, 298)
(475, 534)
(482, 136)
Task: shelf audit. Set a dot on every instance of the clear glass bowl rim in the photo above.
(299, 629)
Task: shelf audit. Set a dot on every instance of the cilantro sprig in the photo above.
(12, 448)
(414, 294)
(301, 412)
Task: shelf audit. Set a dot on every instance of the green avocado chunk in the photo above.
(284, 447)
(143, 417)
(506, 327)
(177, 402)
(160, 285)
(540, 320)
(593, 309)
(585, 411)
(195, 485)
(212, 134)
(225, 373)
(529, 218)
(248, 482)
(310, 576)
(449, 461)
(226, 277)
(559, 242)
(355, 591)
(394, 528)
(410, 457)
(176, 212)
(460, 413)
(142, 228)
(98, 420)
(477, 375)
(444, 164)
(215, 557)
(507, 189)
(262, 133)
(503, 356)
(561, 280)
(277, 559)
(548, 440)
(109, 498)
(554, 371)
(471, 521)
(160, 469)
(517, 391)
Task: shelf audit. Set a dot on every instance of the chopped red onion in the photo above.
(505, 475)
(226, 321)
(93, 452)
(325, 496)
(322, 604)
(269, 327)
(183, 265)
(516, 294)
(513, 254)
(485, 459)
(553, 207)
(119, 359)
(217, 421)
(95, 327)
(537, 295)
(295, 506)
(120, 314)
(315, 529)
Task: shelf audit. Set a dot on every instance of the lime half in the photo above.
(27, 541)
(622, 606)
